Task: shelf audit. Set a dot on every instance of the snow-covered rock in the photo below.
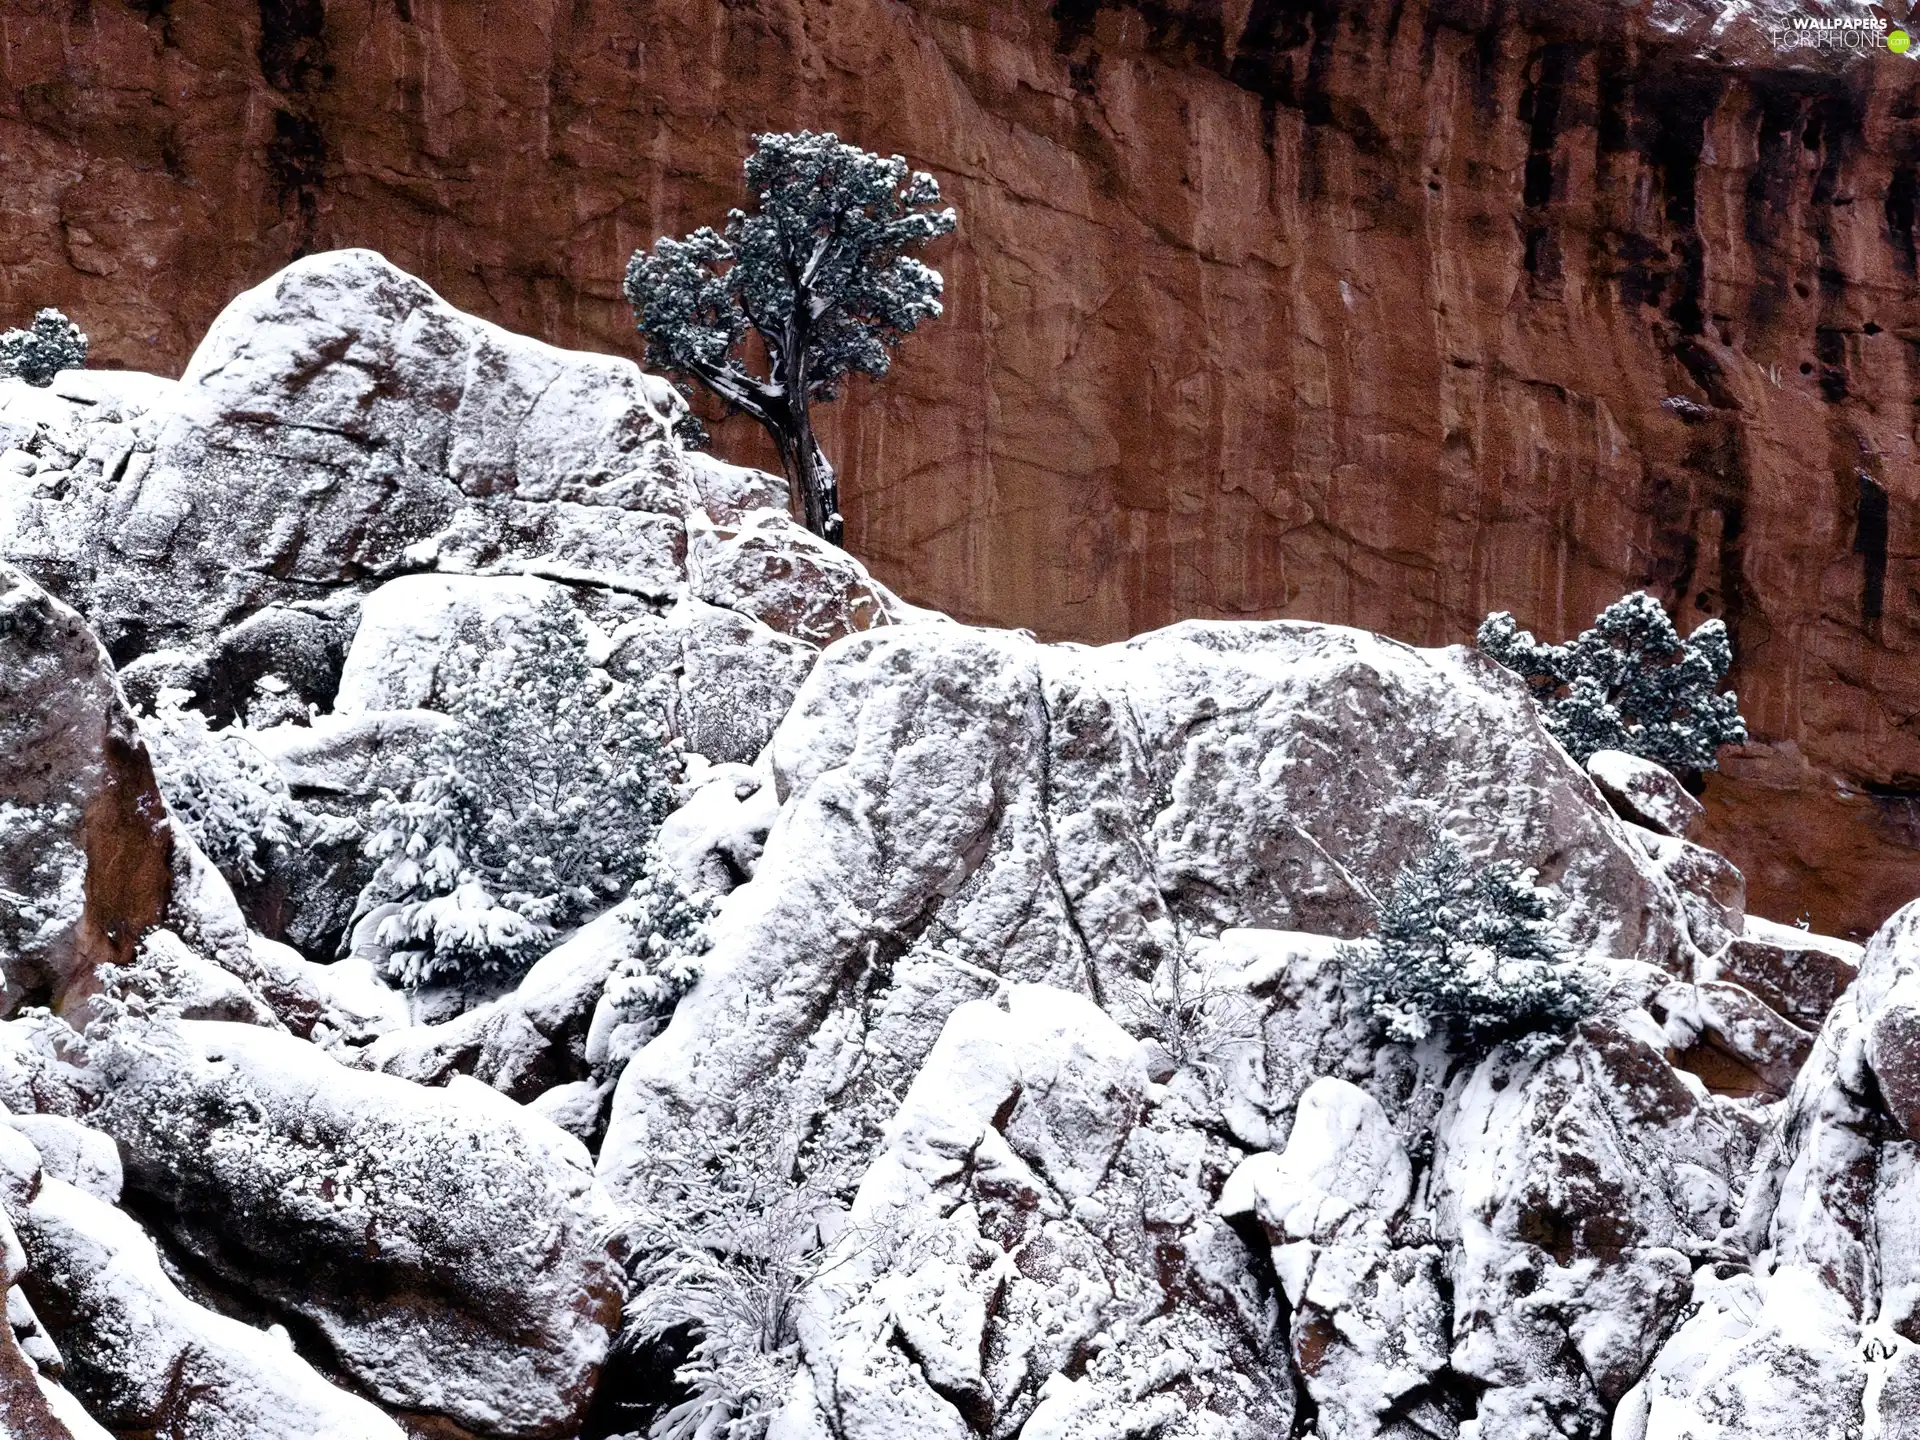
(342, 365)
(1644, 793)
(449, 1248)
(734, 676)
(342, 425)
(85, 845)
(351, 755)
(1575, 1195)
(529, 1040)
(1038, 1228)
(715, 837)
(1730, 1039)
(1713, 893)
(407, 652)
(1887, 996)
(1798, 973)
(1370, 1320)
(1812, 1327)
(141, 1356)
(962, 807)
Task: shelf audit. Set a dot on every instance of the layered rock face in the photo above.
(1374, 313)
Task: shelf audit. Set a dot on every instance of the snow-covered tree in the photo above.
(535, 807)
(669, 927)
(228, 795)
(1465, 950)
(819, 272)
(725, 1238)
(53, 344)
(1630, 683)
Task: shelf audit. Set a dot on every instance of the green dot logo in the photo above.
(1898, 41)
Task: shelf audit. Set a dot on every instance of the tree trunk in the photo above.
(812, 487)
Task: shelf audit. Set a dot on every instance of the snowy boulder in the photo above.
(85, 844)
(1760, 1357)
(1343, 1170)
(141, 1356)
(1575, 1194)
(1799, 974)
(277, 662)
(439, 442)
(1305, 1024)
(765, 566)
(1888, 1000)
(80, 435)
(77, 1154)
(1787, 1345)
(529, 1040)
(1712, 891)
(1043, 1227)
(406, 655)
(961, 807)
(1370, 1320)
(44, 1067)
(278, 986)
(715, 837)
(1730, 1039)
(449, 1248)
(1644, 793)
(735, 678)
(343, 365)
(351, 756)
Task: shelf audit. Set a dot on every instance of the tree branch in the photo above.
(738, 389)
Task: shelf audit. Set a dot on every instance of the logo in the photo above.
(1858, 34)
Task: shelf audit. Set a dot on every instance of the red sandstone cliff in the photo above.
(1386, 312)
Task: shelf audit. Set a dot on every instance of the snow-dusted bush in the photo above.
(669, 925)
(229, 796)
(536, 807)
(1465, 950)
(1192, 1008)
(1630, 683)
(37, 355)
(726, 1240)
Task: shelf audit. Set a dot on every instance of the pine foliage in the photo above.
(1465, 950)
(819, 271)
(1630, 683)
(669, 927)
(534, 808)
(54, 343)
(228, 795)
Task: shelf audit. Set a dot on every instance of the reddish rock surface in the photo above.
(1389, 312)
(85, 844)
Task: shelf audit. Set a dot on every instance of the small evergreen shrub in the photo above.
(1465, 950)
(227, 794)
(1630, 683)
(669, 925)
(37, 355)
(532, 810)
(725, 1238)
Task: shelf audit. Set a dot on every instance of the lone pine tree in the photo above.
(1630, 683)
(819, 272)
